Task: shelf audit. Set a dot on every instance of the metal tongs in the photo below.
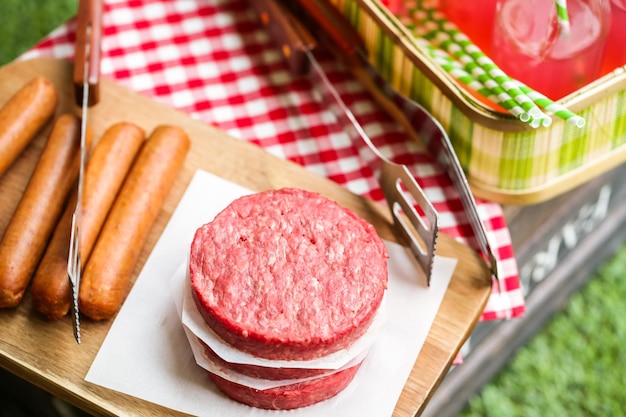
(347, 43)
(400, 188)
(87, 93)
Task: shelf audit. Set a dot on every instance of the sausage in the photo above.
(108, 273)
(26, 112)
(36, 215)
(109, 163)
(50, 287)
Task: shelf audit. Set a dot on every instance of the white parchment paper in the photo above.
(146, 353)
(192, 319)
(196, 330)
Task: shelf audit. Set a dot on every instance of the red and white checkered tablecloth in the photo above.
(214, 60)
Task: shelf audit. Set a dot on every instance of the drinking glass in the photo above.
(528, 45)
(615, 50)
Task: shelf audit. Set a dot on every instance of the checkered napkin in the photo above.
(215, 61)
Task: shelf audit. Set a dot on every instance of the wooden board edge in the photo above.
(475, 284)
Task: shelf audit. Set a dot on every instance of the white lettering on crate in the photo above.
(544, 261)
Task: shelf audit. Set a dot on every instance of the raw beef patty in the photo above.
(288, 274)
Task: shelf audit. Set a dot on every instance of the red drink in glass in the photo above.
(474, 18)
(615, 51)
(527, 45)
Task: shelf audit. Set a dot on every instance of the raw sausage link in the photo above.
(23, 116)
(36, 215)
(109, 164)
(108, 273)
(50, 287)
(105, 172)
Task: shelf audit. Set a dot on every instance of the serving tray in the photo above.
(505, 161)
(45, 353)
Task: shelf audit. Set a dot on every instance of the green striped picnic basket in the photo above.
(505, 161)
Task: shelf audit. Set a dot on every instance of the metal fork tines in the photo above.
(419, 123)
(395, 182)
(402, 192)
(74, 267)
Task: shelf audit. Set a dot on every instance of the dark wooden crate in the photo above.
(558, 245)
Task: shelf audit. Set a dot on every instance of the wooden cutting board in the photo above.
(45, 353)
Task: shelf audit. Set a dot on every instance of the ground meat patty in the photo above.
(261, 372)
(288, 397)
(288, 274)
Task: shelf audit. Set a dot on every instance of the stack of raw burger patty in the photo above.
(287, 275)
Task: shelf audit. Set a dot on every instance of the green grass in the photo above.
(25, 22)
(573, 367)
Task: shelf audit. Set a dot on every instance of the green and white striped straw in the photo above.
(504, 99)
(552, 107)
(469, 68)
(449, 37)
(442, 40)
(457, 71)
(562, 17)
